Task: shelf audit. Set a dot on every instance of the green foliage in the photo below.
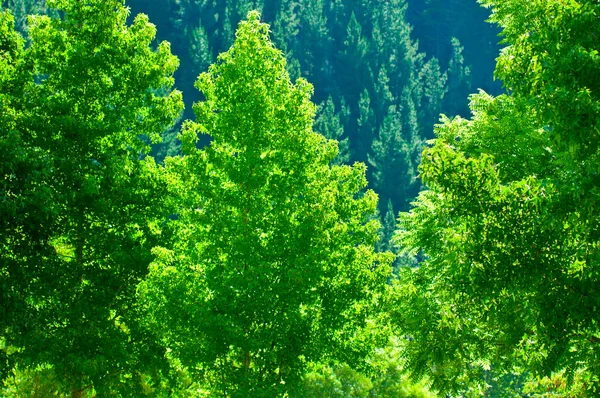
(346, 48)
(328, 123)
(388, 228)
(82, 215)
(21, 9)
(392, 154)
(434, 92)
(386, 379)
(336, 382)
(275, 265)
(266, 268)
(508, 224)
(40, 382)
(459, 81)
(440, 24)
(366, 126)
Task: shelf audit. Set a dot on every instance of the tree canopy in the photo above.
(252, 261)
(276, 266)
(508, 223)
(79, 214)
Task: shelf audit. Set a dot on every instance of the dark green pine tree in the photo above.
(395, 47)
(312, 47)
(284, 28)
(434, 91)
(411, 127)
(199, 50)
(383, 96)
(393, 175)
(196, 55)
(459, 82)
(388, 227)
(352, 67)
(225, 32)
(434, 21)
(365, 128)
(327, 123)
(337, 22)
(284, 31)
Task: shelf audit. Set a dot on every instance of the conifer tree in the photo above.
(199, 49)
(393, 175)
(459, 82)
(312, 45)
(327, 123)
(365, 127)
(384, 97)
(434, 92)
(353, 62)
(388, 228)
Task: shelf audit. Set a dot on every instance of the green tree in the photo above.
(355, 52)
(385, 379)
(276, 265)
(509, 222)
(24, 207)
(393, 171)
(388, 228)
(21, 9)
(434, 91)
(328, 124)
(459, 82)
(88, 106)
(366, 127)
(384, 97)
(199, 48)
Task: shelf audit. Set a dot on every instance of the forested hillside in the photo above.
(201, 198)
(382, 71)
(379, 92)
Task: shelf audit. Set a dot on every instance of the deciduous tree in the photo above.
(86, 208)
(509, 222)
(276, 265)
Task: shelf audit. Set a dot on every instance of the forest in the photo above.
(282, 198)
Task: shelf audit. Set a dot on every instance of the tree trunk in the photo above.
(77, 393)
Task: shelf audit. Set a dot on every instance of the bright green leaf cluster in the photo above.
(275, 265)
(509, 226)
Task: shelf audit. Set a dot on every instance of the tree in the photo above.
(508, 223)
(459, 82)
(393, 171)
(386, 379)
(276, 265)
(23, 8)
(352, 61)
(199, 50)
(366, 127)
(328, 123)
(23, 208)
(383, 95)
(388, 228)
(84, 211)
(434, 91)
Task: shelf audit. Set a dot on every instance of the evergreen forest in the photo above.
(284, 198)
